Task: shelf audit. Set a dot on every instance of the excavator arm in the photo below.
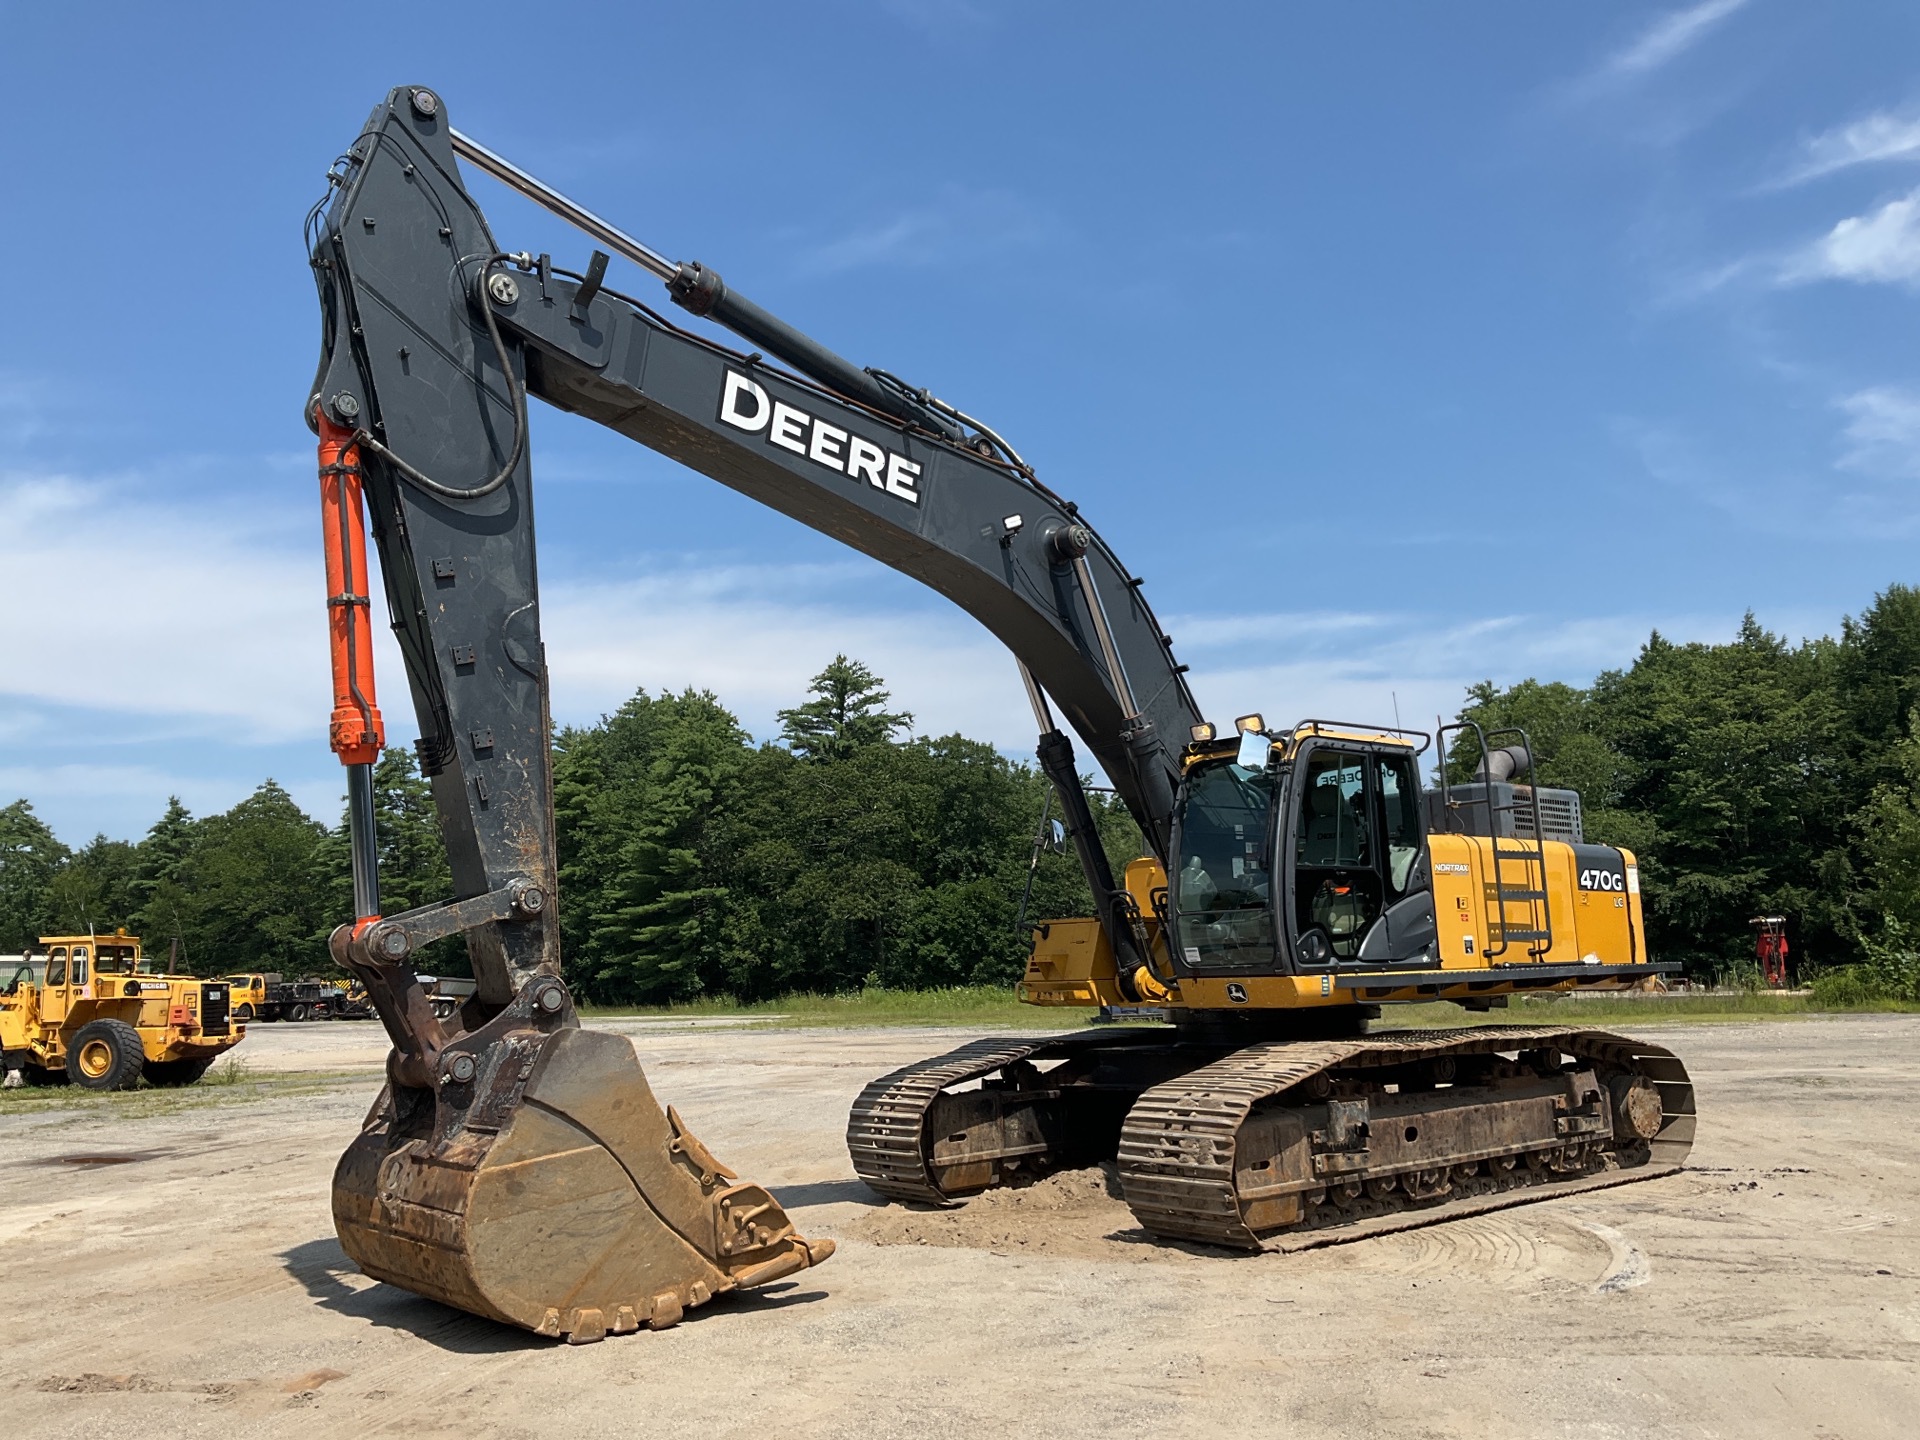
(433, 340)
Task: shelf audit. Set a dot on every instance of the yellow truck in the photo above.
(273, 997)
(92, 1010)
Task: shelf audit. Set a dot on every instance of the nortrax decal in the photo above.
(745, 406)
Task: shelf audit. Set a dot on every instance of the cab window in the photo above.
(78, 971)
(1337, 890)
(57, 965)
(1400, 804)
(1333, 827)
(1223, 886)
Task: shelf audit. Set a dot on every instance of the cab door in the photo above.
(1405, 930)
(55, 996)
(1336, 883)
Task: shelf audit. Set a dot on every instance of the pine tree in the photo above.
(652, 906)
(413, 862)
(845, 716)
(155, 892)
(160, 853)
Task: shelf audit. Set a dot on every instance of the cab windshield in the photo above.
(1224, 885)
(114, 960)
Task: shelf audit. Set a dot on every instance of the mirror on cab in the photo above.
(1254, 748)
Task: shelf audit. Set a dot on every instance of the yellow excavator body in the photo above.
(1317, 884)
(1072, 963)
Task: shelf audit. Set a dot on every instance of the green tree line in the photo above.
(692, 860)
(1750, 777)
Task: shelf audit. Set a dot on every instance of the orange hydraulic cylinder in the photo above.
(356, 732)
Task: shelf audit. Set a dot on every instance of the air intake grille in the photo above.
(214, 1000)
(1559, 815)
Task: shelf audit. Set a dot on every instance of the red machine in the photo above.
(1770, 949)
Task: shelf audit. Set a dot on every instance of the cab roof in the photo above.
(1287, 741)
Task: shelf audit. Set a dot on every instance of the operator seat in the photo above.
(1327, 820)
(1333, 837)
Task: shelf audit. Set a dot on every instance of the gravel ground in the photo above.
(196, 1288)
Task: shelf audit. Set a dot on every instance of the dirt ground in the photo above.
(1773, 1290)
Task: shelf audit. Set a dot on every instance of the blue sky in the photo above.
(1398, 346)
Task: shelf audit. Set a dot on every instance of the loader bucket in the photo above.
(543, 1186)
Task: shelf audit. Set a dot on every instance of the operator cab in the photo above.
(1310, 856)
(115, 954)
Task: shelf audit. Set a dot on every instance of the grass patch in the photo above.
(224, 1085)
(1749, 1005)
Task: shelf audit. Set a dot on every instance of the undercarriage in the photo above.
(1283, 1144)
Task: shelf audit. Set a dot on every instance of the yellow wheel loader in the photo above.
(1297, 879)
(87, 1010)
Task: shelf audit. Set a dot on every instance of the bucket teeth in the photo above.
(552, 1192)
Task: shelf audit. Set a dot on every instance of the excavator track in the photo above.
(1291, 1144)
(1185, 1168)
(887, 1130)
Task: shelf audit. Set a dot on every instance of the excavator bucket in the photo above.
(543, 1186)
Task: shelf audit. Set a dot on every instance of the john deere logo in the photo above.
(1237, 993)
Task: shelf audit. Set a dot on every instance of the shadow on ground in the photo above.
(321, 1267)
(825, 1192)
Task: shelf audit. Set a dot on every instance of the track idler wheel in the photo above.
(543, 1186)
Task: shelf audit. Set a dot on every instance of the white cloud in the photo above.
(1881, 247)
(1657, 46)
(121, 602)
(755, 637)
(957, 223)
(1882, 432)
(1866, 494)
(81, 799)
(1367, 667)
(1882, 136)
(122, 673)
(1669, 37)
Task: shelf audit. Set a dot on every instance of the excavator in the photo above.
(1295, 879)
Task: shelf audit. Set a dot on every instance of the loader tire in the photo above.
(171, 1074)
(106, 1055)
